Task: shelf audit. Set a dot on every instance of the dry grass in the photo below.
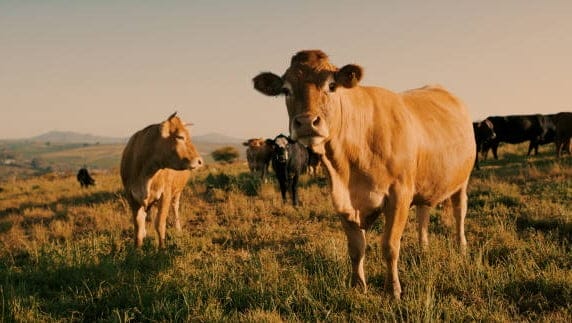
(66, 253)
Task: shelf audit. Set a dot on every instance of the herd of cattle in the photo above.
(537, 129)
(383, 151)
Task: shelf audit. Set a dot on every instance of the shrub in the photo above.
(225, 154)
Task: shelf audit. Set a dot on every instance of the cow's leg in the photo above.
(356, 250)
(495, 148)
(395, 220)
(175, 207)
(139, 216)
(559, 145)
(459, 202)
(294, 188)
(161, 218)
(283, 187)
(533, 145)
(422, 212)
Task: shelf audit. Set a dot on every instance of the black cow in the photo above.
(484, 133)
(563, 124)
(515, 129)
(289, 160)
(84, 179)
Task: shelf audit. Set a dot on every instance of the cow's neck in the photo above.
(349, 156)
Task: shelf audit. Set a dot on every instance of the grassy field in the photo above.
(66, 253)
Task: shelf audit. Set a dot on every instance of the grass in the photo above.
(66, 253)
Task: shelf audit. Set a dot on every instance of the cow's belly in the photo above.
(355, 200)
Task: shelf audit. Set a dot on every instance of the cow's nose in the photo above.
(196, 162)
(306, 120)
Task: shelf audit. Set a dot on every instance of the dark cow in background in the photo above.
(484, 133)
(563, 137)
(314, 163)
(84, 179)
(289, 161)
(515, 129)
(258, 155)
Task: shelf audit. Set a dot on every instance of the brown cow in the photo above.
(562, 139)
(383, 151)
(258, 155)
(155, 167)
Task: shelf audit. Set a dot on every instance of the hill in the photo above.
(74, 137)
(66, 152)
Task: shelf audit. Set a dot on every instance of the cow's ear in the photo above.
(268, 83)
(245, 143)
(349, 75)
(166, 128)
(269, 142)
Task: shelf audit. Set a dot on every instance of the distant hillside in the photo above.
(74, 137)
(68, 137)
(60, 151)
(216, 138)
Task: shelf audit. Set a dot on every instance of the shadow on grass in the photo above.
(538, 295)
(563, 230)
(92, 289)
(82, 200)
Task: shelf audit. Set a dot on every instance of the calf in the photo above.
(155, 167)
(258, 155)
(84, 179)
(289, 160)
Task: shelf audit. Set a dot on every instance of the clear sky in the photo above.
(112, 67)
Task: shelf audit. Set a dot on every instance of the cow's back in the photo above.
(444, 140)
(134, 154)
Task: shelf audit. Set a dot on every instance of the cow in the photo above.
(155, 167)
(84, 179)
(289, 161)
(384, 151)
(484, 133)
(258, 156)
(514, 129)
(563, 136)
(314, 163)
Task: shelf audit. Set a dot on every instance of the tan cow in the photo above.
(384, 151)
(155, 168)
(258, 155)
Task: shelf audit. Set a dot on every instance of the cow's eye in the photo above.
(286, 91)
(179, 137)
(332, 86)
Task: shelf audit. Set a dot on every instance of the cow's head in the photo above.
(254, 143)
(280, 147)
(485, 131)
(312, 87)
(175, 146)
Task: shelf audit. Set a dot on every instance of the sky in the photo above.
(111, 68)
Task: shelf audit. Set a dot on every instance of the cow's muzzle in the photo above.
(196, 162)
(308, 128)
